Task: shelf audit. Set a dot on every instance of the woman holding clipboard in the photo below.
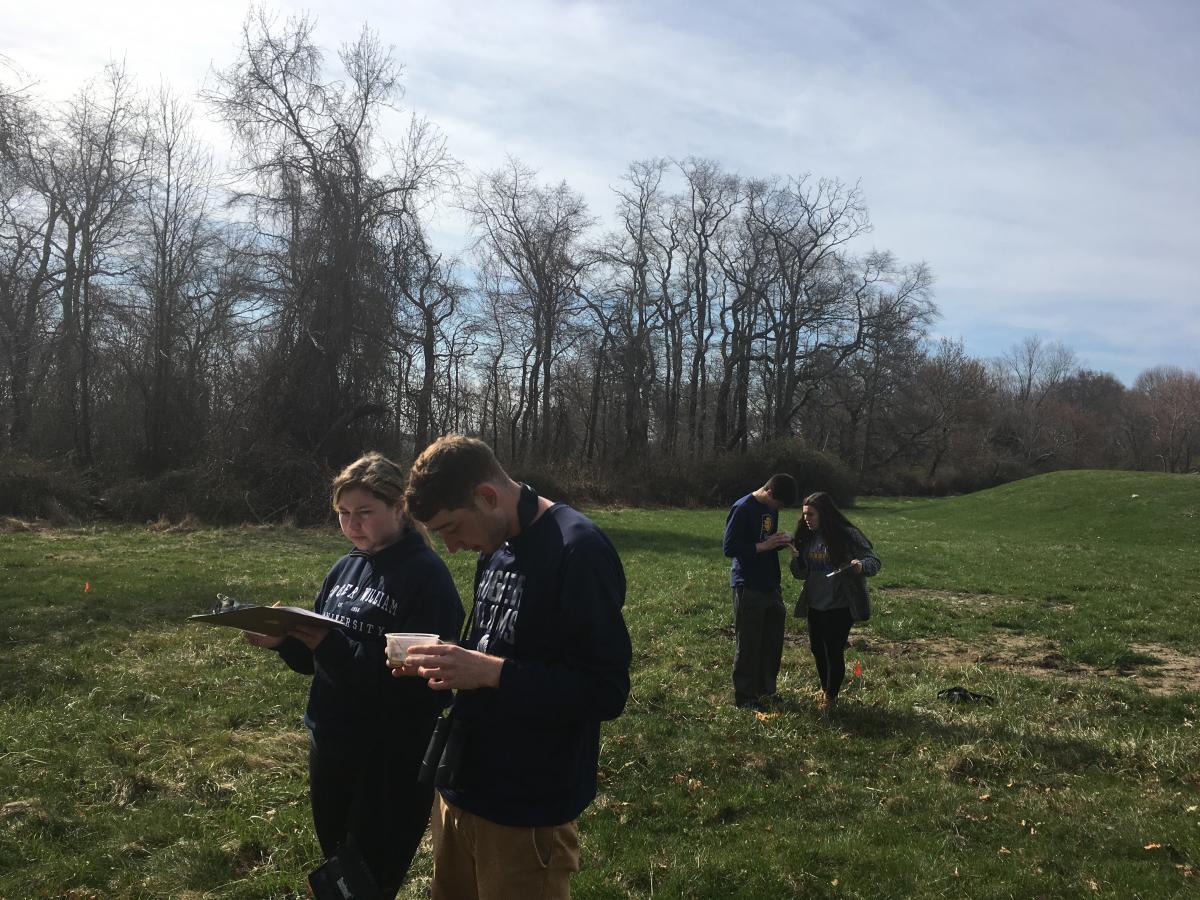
(834, 560)
(368, 730)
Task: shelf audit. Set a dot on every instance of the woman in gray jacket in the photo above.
(834, 559)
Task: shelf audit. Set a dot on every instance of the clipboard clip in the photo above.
(225, 604)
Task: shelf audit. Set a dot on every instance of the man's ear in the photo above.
(486, 496)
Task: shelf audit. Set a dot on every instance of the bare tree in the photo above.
(1173, 401)
(312, 178)
(174, 304)
(949, 396)
(534, 235)
(1029, 373)
(427, 294)
(629, 313)
(823, 297)
(748, 269)
(28, 264)
(89, 172)
(1091, 420)
(711, 197)
(895, 324)
(672, 305)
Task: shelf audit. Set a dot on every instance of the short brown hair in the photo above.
(445, 475)
(374, 473)
(783, 488)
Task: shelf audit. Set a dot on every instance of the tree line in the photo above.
(260, 324)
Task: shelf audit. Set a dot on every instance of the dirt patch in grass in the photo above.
(965, 599)
(1164, 671)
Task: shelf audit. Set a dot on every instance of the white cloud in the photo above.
(1041, 157)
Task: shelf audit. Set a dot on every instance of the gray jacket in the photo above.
(850, 585)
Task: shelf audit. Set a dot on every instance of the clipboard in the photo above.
(271, 620)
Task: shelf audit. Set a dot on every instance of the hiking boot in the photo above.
(752, 705)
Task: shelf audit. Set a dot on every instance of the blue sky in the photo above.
(1042, 157)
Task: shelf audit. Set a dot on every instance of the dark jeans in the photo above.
(373, 798)
(827, 634)
(758, 618)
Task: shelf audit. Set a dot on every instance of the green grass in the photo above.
(144, 757)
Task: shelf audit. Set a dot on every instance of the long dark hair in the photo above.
(833, 527)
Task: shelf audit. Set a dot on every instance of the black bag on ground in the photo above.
(958, 694)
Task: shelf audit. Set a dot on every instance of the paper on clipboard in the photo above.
(271, 620)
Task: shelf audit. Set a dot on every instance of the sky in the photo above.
(1042, 158)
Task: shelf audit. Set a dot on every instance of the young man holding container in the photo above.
(546, 660)
(753, 541)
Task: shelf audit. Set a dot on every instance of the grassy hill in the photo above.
(1099, 560)
(144, 757)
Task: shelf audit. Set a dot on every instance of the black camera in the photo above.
(443, 756)
(344, 876)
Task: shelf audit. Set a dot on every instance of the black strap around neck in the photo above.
(527, 507)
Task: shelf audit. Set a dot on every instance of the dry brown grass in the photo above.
(12, 525)
(1173, 671)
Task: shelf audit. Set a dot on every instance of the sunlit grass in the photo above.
(144, 757)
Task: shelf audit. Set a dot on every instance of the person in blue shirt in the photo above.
(753, 541)
(546, 661)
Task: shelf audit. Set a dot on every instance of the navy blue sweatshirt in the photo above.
(751, 522)
(354, 702)
(549, 602)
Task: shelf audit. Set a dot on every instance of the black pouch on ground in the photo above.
(344, 876)
(958, 694)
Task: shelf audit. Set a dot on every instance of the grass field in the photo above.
(144, 757)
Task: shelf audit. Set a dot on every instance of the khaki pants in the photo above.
(474, 859)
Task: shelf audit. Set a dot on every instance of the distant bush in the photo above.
(38, 489)
(904, 481)
(273, 490)
(949, 479)
(732, 476)
(278, 485)
(654, 481)
(960, 480)
(171, 495)
(560, 485)
(268, 485)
